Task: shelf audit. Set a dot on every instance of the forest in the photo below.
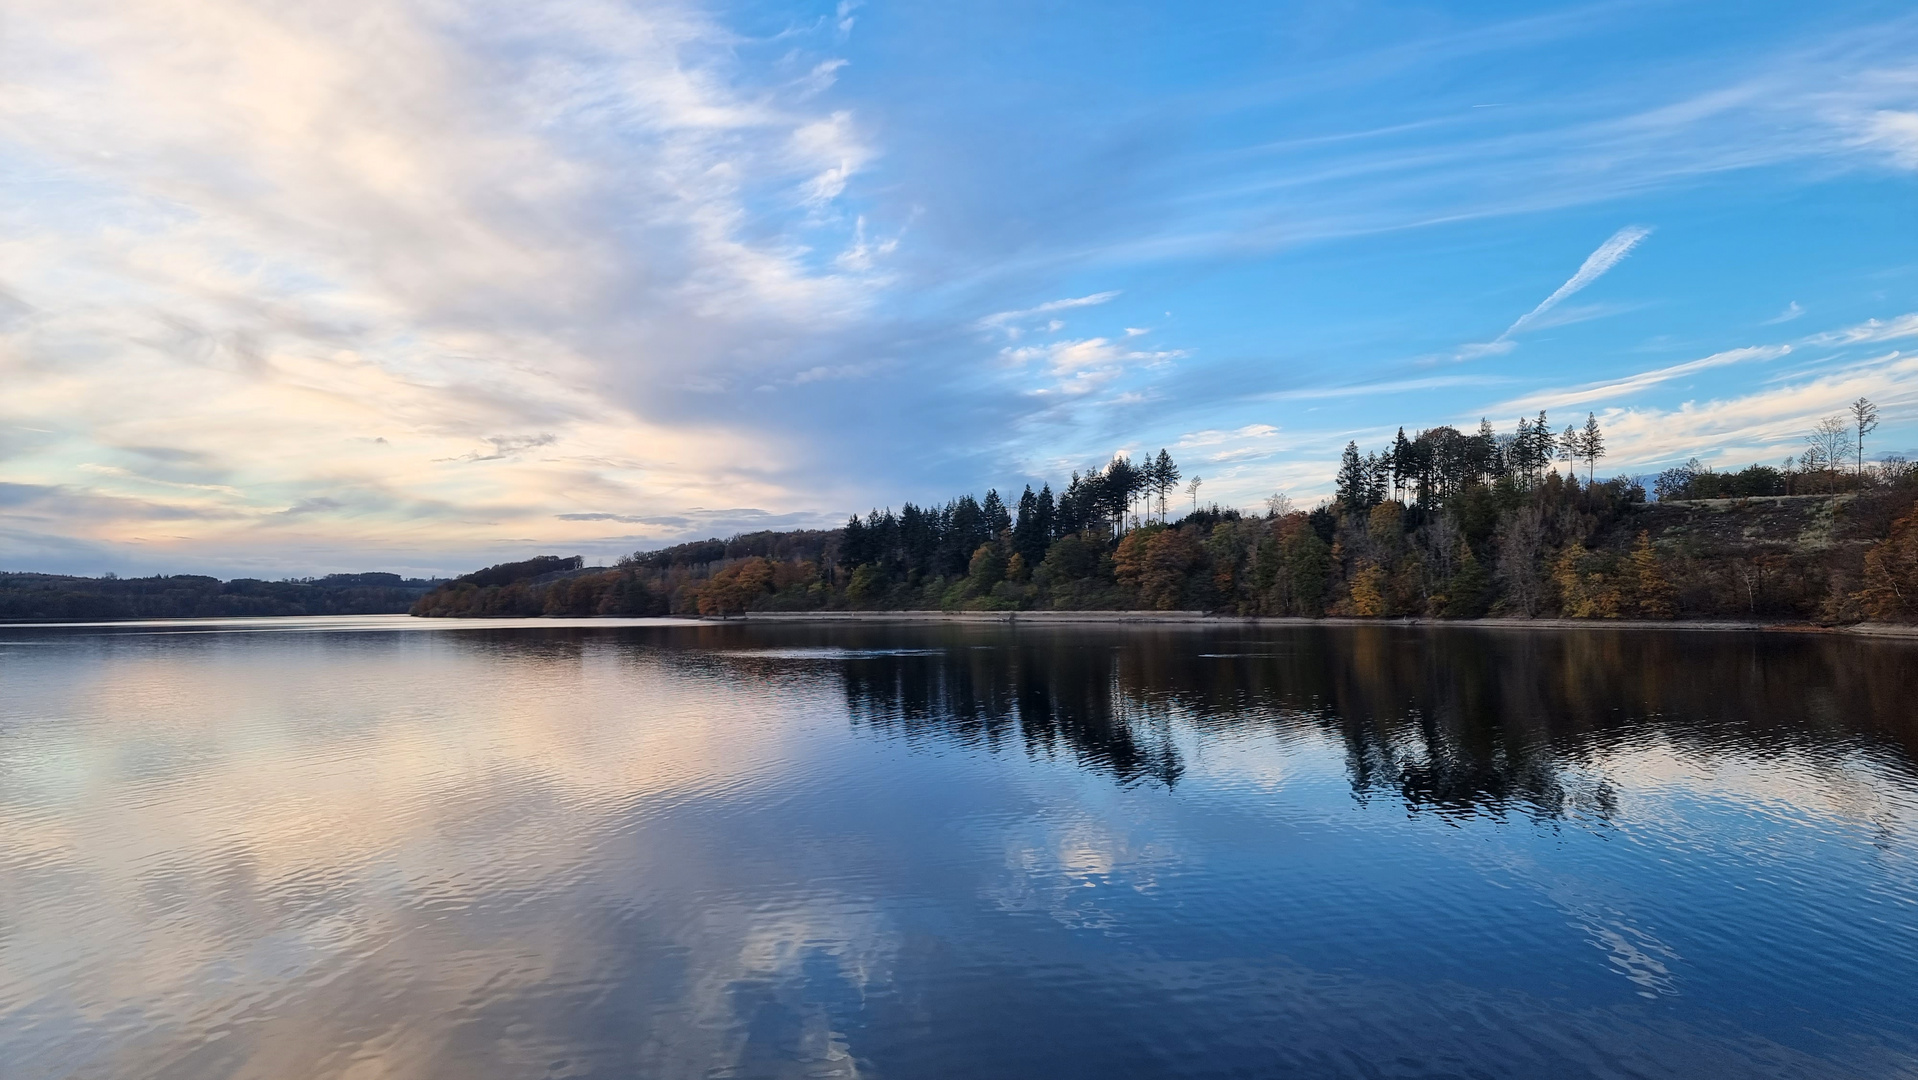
(62, 598)
(1439, 524)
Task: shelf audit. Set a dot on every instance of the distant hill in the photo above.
(61, 598)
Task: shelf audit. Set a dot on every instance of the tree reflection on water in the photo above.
(1452, 721)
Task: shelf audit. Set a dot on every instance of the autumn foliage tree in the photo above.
(1891, 573)
(733, 589)
(1157, 561)
(1653, 594)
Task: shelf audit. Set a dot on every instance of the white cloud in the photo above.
(843, 19)
(1614, 389)
(1792, 311)
(1895, 133)
(1869, 331)
(1005, 319)
(325, 250)
(1769, 423)
(833, 146)
(1390, 386)
(1215, 437)
(1082, 366)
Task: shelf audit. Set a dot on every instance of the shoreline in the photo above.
(1202, 618)
(1894, 631)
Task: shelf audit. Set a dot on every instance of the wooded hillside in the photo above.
(1522, 541)
(62, 598)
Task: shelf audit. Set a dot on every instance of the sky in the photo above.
(423, 285)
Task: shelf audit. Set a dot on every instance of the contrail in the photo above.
(1607, 256)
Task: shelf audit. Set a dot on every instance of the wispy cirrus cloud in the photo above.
(1871, 330)
(357, 258)
(1614, 390)
(1739, 429)
(1792, 311)
(563, 224)
(1007, 321)
(1894, 132)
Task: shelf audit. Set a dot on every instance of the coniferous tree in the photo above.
(1378, 470)
(1032, 533)
(1166, 477)
(1864, 416)
(997, 519)
(1354, 483)
(1402, 465)
(855, 549)
(1075, 510)
(1591, 445)
(1485, 452)
(1523, 447)
(1122, 483)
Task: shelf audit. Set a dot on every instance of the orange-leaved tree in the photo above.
(734, 589)
(1891, 573)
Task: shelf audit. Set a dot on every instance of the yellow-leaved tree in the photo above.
(1653, 593)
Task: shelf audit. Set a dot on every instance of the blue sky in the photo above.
(424, 285)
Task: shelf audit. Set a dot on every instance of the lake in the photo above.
(381, 847)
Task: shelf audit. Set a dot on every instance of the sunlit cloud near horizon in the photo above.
(418, 286)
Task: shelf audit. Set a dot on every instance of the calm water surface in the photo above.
(380, 848)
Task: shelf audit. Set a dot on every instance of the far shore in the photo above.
(1108, 618)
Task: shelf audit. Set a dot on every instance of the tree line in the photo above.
(1441, 462)
(1440, 524)
(65, 598)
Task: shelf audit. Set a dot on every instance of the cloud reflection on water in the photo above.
(833, 851)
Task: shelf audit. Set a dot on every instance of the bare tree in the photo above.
(1192, 489)
(1278, 504)
(1830, 438)
(1521, 538)
(1864, 417)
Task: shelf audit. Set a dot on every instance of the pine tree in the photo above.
(1469, 589)
(1591, 445)
(1354, 479)
(1865, 420)
(996, 519)
(1122, 482)
(1379, 478)
(1402, 464)
(1166, 477)
(1031, 535)
(855, 548)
